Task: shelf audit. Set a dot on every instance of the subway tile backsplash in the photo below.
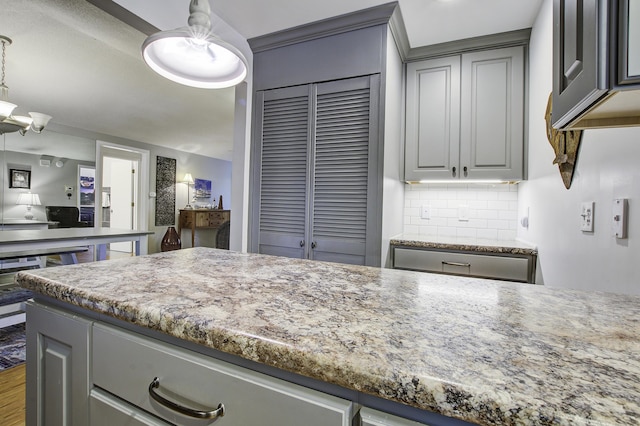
(484, 211)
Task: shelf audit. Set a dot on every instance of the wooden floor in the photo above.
(12, 396)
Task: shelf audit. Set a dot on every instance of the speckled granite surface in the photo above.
(464, 244)
(484, 351)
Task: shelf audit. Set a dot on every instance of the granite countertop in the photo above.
(484, 351)
(464, 244)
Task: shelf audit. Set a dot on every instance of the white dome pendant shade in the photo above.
(192, 55)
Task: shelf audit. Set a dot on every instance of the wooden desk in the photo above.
(28, 239)
(201, 218)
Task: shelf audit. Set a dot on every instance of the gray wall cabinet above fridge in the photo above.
(465, 116)
(596, 64)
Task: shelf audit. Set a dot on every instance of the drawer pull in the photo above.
(199, 414)
(462, 265)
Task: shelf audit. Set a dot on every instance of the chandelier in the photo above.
(192, 55)
(16, 123)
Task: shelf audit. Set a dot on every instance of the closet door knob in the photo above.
(313, 245)
(465, 171)
(453, 172)
(301, 243)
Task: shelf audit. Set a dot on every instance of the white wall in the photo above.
(392, 186)
(607, 168)
(492, 210)
(47, 182)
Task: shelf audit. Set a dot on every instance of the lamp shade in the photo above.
(6, 108)
(39, 121)
(29, 199)
(187, 178)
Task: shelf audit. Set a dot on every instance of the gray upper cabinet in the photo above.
(596, 63)
(465, 116)
(433, 119)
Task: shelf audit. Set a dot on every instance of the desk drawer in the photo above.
(217, 218)
(477, 265)
(125, 364)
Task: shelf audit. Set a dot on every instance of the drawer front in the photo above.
(107, 410)
(202, 219)
(186, 219)
(125, 364)
(217, 218)
(477, 265)
(369, 417)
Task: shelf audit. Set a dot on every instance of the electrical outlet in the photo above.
(586, 213)
(463, 213)
(425, 212)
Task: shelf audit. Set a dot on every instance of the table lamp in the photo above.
(28, 200)
(188, 180)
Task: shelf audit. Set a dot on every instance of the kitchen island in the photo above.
(482, 351)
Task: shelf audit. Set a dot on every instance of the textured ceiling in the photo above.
(82, 66)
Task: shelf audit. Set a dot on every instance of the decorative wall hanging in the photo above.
(565, 144)
(203, 188)
(165, 191)
(19, 178)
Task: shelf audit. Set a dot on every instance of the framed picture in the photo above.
(19, 178)
(202, 187)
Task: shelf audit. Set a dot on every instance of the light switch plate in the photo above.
(586, 214)
(619, 216)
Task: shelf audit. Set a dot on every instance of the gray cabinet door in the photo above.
(433, 119)
(492, 114)
(343, 132)
(579, 57)
(629, 42)
(318, 166)
(283, 123)
(57, 367)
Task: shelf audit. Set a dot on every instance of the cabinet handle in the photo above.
(313, 245)
(465, 171)
(191, 412)
(301, 243)
(453, 171)
(463, 265)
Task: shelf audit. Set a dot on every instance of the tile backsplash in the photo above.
(485, 211)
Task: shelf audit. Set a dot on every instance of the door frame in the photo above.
(109, 149)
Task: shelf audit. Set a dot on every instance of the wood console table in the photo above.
(201, 218)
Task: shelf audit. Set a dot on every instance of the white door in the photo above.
(121, 173)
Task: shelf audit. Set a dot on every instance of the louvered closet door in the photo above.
(283, 201)
(340, 176)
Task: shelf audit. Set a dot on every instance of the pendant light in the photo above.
(192, 55)
(12, 123)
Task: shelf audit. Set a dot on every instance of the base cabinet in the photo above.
(82, 371)
(519, 268)
(57, 367)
